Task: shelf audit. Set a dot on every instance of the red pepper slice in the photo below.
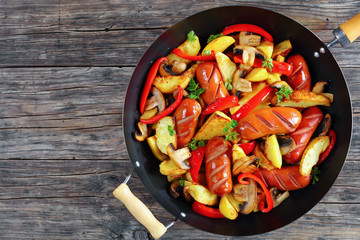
(247, 147)
(261, 204)
(326, 153)
(248, 28)
(196, 159)
(279, 67)
(149, 81)
(181, 54)
(206, 211)
(221, 104)
(168, 110)
(252, 103)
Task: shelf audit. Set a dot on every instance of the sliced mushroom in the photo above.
(250, 204)
(276, 197)
(319, 87)
(243, 163)
(179, 156)
(329, 96)
(248, 54)
(239, 83)
(187, 195)
(176, 68)
(157, 100)
(144, 133)
(286, 143)
(279, 84)
(176, 189)
(325, 125)
(245, 38)
(165, 69)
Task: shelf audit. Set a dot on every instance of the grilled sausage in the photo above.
(209, 77)
(311, 118)
(300, 78)
(286, 178)
(277, 120)
(218, 166)
(186, 116)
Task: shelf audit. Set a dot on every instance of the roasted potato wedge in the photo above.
(311, 154)
(191, 48)
(227, 208)
(266, 48)
(303, 99)
(282, 49)
(169, 168)
(219, 44)
(213, 127)
(202, 194)
(273, 77)
(272, 151)
(168, 84)
(257, 75)
(163, 136)
(155, 150)
(226, 66)
(245, 97)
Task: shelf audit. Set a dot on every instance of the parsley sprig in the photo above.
(283, 92)
(194, 90)
(228, 84)
(207, 52)
(193, 145)
(315, 175)
(230, 135)
(212, 37)
(191, 36)
(259, 163)
(268, 64)
(171, 130)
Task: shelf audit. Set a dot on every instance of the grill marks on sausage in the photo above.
(293, 181)
(282, 119)
(265, 122)
(279, 181)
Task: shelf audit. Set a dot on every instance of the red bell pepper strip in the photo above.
(279, 67)
(326, 153)
(247, 147)
(221, 104)
(149, 81)
(252, 103)
(168, 110)
(181, 54)
(261, 204)
(196, 159)
(248, 28)
(206, 211)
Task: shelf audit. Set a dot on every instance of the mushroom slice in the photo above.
(239, 83)
(144, 133)
(178, 67)
(276, 197)
(165, 69)
(319, 87)
(175, 189)
(157, 100)
(279, 84)
(325, 125)
(243, 163)
(251, 202)
(286, 143)
(179, 156)
(245, 38)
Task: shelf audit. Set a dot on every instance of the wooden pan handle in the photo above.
(352, 28)
(139, 211)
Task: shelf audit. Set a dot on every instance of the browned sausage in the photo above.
(209, 77)
(186, 116)
(311, 118)
(300, 78)
(218, 166)
(286, 178)
(277, 120)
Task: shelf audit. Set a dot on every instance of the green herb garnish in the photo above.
(193, 145)
(182, 182)
(315, 175)
(191, 36)
(212, 37)
(171, 130)
(268, 64)
(207, 52)
(194, 90)
(259, 163)
(228, 84)
(228, 129)
(283, 92)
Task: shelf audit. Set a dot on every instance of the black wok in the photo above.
(323, 68)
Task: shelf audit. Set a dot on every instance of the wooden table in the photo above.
(65, 66)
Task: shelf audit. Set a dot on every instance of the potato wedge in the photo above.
(311, 154)
(237, 153)
(155, 150)
(273, 77)
(191, 48)
(282, 49)
(266, 48)
(272, 151)
(219, 44)
(303, 99)
(245, 97)
(213, 127)
(169, 168)
(226, 66)
(168, 84)
(162, 134)
(202, 194)
(257, 75)
(227, 208)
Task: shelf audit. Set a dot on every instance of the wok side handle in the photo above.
(139, 211)
(352, 28)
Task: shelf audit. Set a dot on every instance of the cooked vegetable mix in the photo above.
(235, 122)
